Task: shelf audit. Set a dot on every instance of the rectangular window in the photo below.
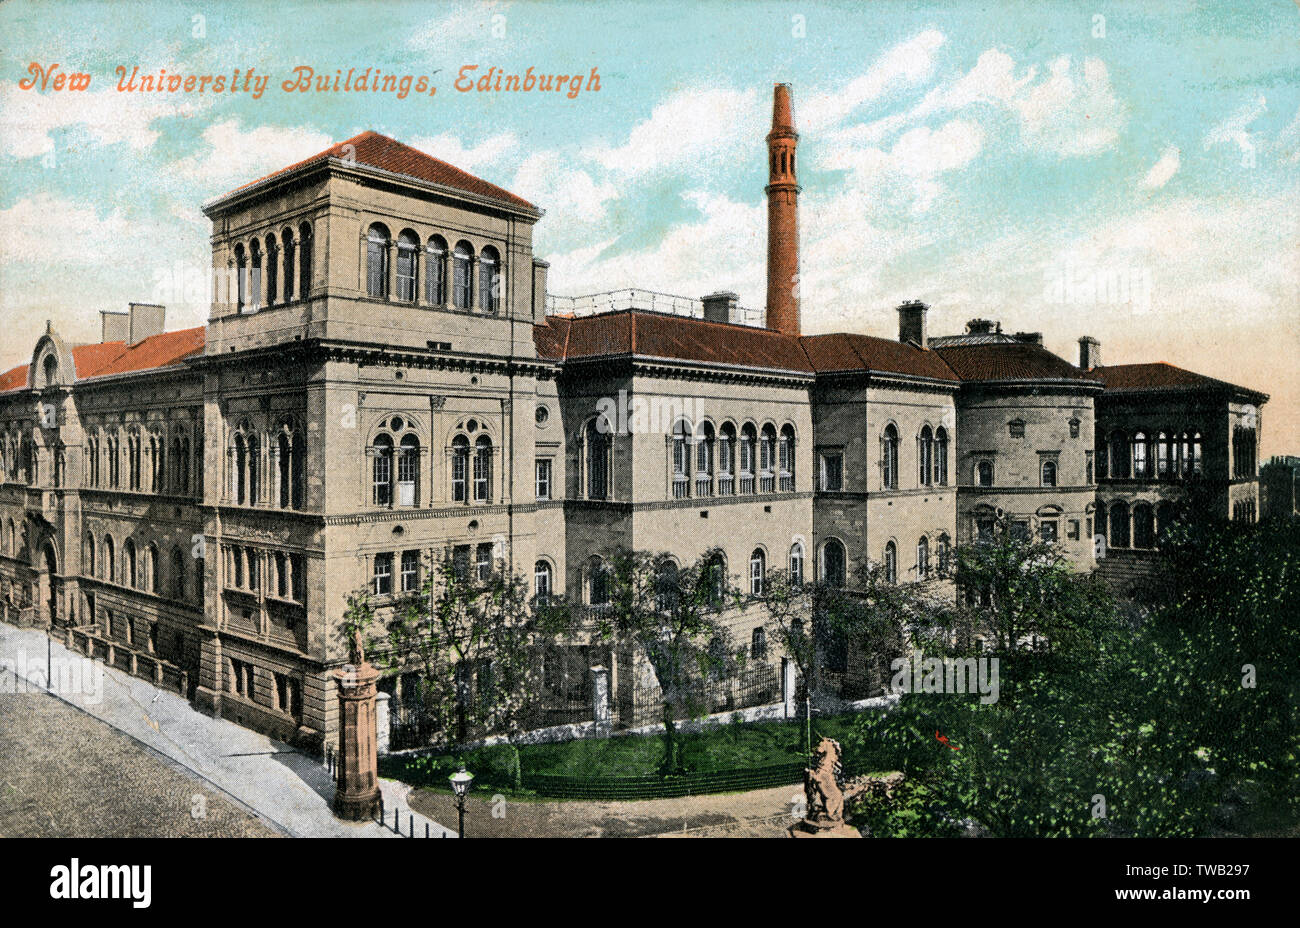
(1020, 530)
(460, 562)
(410, 571)
(383, 581)
(1073, 531)
(544, 479)
(1047, 530)
(984, 529)
(832, 471)
(483, 561)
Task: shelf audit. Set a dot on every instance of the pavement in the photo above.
(288, 790)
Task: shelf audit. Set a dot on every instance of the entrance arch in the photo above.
(49, 588)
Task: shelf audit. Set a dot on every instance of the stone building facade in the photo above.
(380, 377)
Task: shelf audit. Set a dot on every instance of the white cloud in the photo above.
(568, 193)
(1163, 169)
(1070, 112)
(907, 64)
(107, 117)
(691, 129)
(25, 231)
(237, 155)
(1288, 141)
(1234, 128)
(467, 24)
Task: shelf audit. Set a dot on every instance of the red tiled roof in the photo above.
(1018, 361)
(103, 359)
(1158, 376)
(379, 151)
(659, 335)
(845, 351)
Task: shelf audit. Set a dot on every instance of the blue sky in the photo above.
(1006, 160)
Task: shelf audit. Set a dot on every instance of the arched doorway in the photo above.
(48, 582)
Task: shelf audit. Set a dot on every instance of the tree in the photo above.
(673, 615)
(473, 641)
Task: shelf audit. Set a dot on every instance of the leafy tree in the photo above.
(474, 643)
(673, 615)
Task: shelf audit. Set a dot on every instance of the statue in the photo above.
(825, 799)
(358, 647)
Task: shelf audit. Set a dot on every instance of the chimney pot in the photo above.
(911, 322)
(1089, 353)
(720, 306)
(144, 320)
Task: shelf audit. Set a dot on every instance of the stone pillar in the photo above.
(788, 687)
(392, 270)
(600, 705)
(356, 795)
(383, 723)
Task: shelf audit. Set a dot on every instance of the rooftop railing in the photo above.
(645, 300)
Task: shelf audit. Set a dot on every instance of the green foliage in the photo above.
(1152, 720)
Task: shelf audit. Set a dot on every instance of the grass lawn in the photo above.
(732, 746)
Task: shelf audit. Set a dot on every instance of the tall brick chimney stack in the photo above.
(782, 218)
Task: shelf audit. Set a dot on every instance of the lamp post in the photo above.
(460, 783)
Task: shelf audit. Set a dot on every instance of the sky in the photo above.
(1129, 171)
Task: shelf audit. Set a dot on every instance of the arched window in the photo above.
(133, 459)
(377, 261)
(984, 474)
(597, 462)
(891, 562)
(925, 456)
(1140, 455)
(1144, 528)
(598, 584)
(130, 572)
(796, 564)
(272, 269)
(941, 457)
(460, 469)
(255, 274)
(748, 439)
(114, 462)
(833, 563)
(241, 278)
(757, 572)
(758, 644)
(183, 465)
(408, 251)
(483, 469)
(286, 244)
(542, 581)
(726, 455)
(1196, 452)
(681, 459)
(923, 558)
(151, 569)
(50, 370)
(408, 470)
(381, 471)
(785, 459)
(1119, 525)
(889, 457)
(666, 586)
(1049, 473)
(461, 283)
(88, 554)
(704, 460)
(109, 572)
(178, 571)
(714, 577)
(941, 555)
(489, 280)
(1119, 455)
(435, 271)
(767, 460)
(305, 243)
(157, 464)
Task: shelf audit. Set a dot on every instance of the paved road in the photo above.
(289, 790)
(65, 774)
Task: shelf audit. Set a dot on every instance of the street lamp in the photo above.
(460, 783)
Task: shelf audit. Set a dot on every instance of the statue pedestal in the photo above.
(838, 830)
(356, 794)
